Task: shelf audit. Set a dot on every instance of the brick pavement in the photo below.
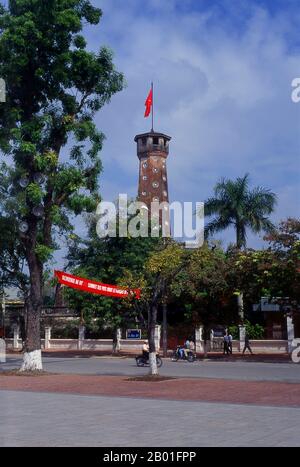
(183, 389)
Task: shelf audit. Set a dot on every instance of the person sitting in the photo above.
(186, 348)
(146, 350)
(181, 351)
(192, 345)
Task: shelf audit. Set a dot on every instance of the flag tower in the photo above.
(152, 151)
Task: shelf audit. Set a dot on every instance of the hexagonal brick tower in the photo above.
(152, 151)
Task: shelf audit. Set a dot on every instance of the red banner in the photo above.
(86, 285)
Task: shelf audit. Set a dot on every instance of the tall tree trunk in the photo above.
(240, 235)
(116, 339)
(240, 242)
(240, 301)
(151, 335)
(32, 359)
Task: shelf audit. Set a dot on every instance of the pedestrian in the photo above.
(247, 345)
(225, 341)
(230, 343)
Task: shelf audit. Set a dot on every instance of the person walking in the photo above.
(247, 345)
(225, 341)
(230, 343)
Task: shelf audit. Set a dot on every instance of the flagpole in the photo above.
(152, 106)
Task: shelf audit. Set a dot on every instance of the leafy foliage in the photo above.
(54, 88)
(47, 131)
(253, 331)
(113, 260)
(235, 204)
(273, 272)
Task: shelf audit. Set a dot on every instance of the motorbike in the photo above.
(189, 355)
(141, 360)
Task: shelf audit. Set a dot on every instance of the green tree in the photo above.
(161, 272)
(234, 204)
(272, 272)
(54, 88)
(204, 289)
(155, 279)
(108, 260)
(253, 331)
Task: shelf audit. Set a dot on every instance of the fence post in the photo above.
(16, 329)
(81, 332)
(290, 332)
(47, 336)
(242, 333)
(199, 344)
(2, 351)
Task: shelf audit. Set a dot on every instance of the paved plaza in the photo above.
(91, 402)
(33, 419)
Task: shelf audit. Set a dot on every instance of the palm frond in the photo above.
(234, 203)
(261, 224)
(213, 206)
(261, 199)
(216, 225)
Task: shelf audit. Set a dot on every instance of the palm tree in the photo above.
(235, 204)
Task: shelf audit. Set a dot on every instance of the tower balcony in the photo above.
(152, 142)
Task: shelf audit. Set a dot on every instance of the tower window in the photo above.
(155, 140)
(155, 184)
(145, 177)
(145, 165)
(144, 141)
(144, 193)
(155, 170)
(164, 178)
(165, 193)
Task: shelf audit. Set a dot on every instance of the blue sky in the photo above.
(222, 72)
